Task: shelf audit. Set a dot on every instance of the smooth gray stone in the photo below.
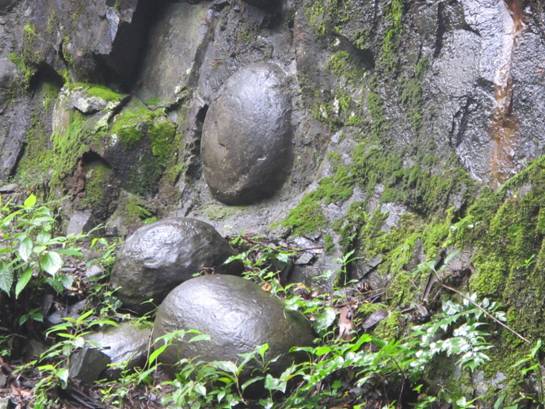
(159, 256)
(125, 344)
(237, 316)
(246, 141)
(87, 365)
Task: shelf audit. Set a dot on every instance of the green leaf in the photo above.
(322, 350)
(250, 382)
(262, 350)
(23, 281)
(6, 277)
(325, 319)
(51, 262)
(30, 202)
(155, 354)
(227, 366)
(25, 248)
(198, 338)
(72, 252)
(274, 384)
(200, 389)
(62, 374)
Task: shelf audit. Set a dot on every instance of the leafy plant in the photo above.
(29, 250)
(53, 365)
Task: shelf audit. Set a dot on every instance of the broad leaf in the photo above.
(23, 281)
(155, 354)
(51, 262)
(25, 248)
(30, 202)
(274, 384)
(6, 277)
(325, 319)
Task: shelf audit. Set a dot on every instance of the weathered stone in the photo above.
(87, 104)
(94, 271)
(173, 55)
(125, 345)
(6, 4)
(87, 365)
(374, 319)
(106, 352)
(237, 316)
(9, 188)
(99, 39)
(246, 136)
(159, 256)
(72, 311)
(79, 222)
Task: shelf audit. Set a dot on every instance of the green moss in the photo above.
(328, 16)
(136, 126)
(52, 22)
(97, 179)
(307, 216)
(342, 65)
(509, 260)
(153, 102)
(317, 15)
(132, 124)
(488, 279)
(26, 69)
(329, 243)
(136, 210)
(69, 147)
(368, 308)
(99, 91)
(388, 58)
(33, 169)
(404, 288)
(376, 111)
(391, 327)
(161, 133)
(411, 94)
(49, 95)
(29, 30)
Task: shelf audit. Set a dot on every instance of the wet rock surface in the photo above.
(126, 343)
(246, 136)
(109, 351)
(159, 256)
(237, 316)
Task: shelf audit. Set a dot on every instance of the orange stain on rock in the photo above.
(503, 129)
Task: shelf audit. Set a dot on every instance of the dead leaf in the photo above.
(346, 327)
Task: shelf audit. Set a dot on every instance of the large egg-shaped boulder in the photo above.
(159, 256)
(246, 141)
(236, 314)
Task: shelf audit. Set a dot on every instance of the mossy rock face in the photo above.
(236, 314)
(246, 136)
(140, 148)
(161, 255)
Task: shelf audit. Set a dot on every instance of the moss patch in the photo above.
(99, 91)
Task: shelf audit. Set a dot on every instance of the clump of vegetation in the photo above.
(347, 365)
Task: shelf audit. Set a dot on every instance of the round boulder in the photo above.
(159, 256)
(246, 141)
(237, 316)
